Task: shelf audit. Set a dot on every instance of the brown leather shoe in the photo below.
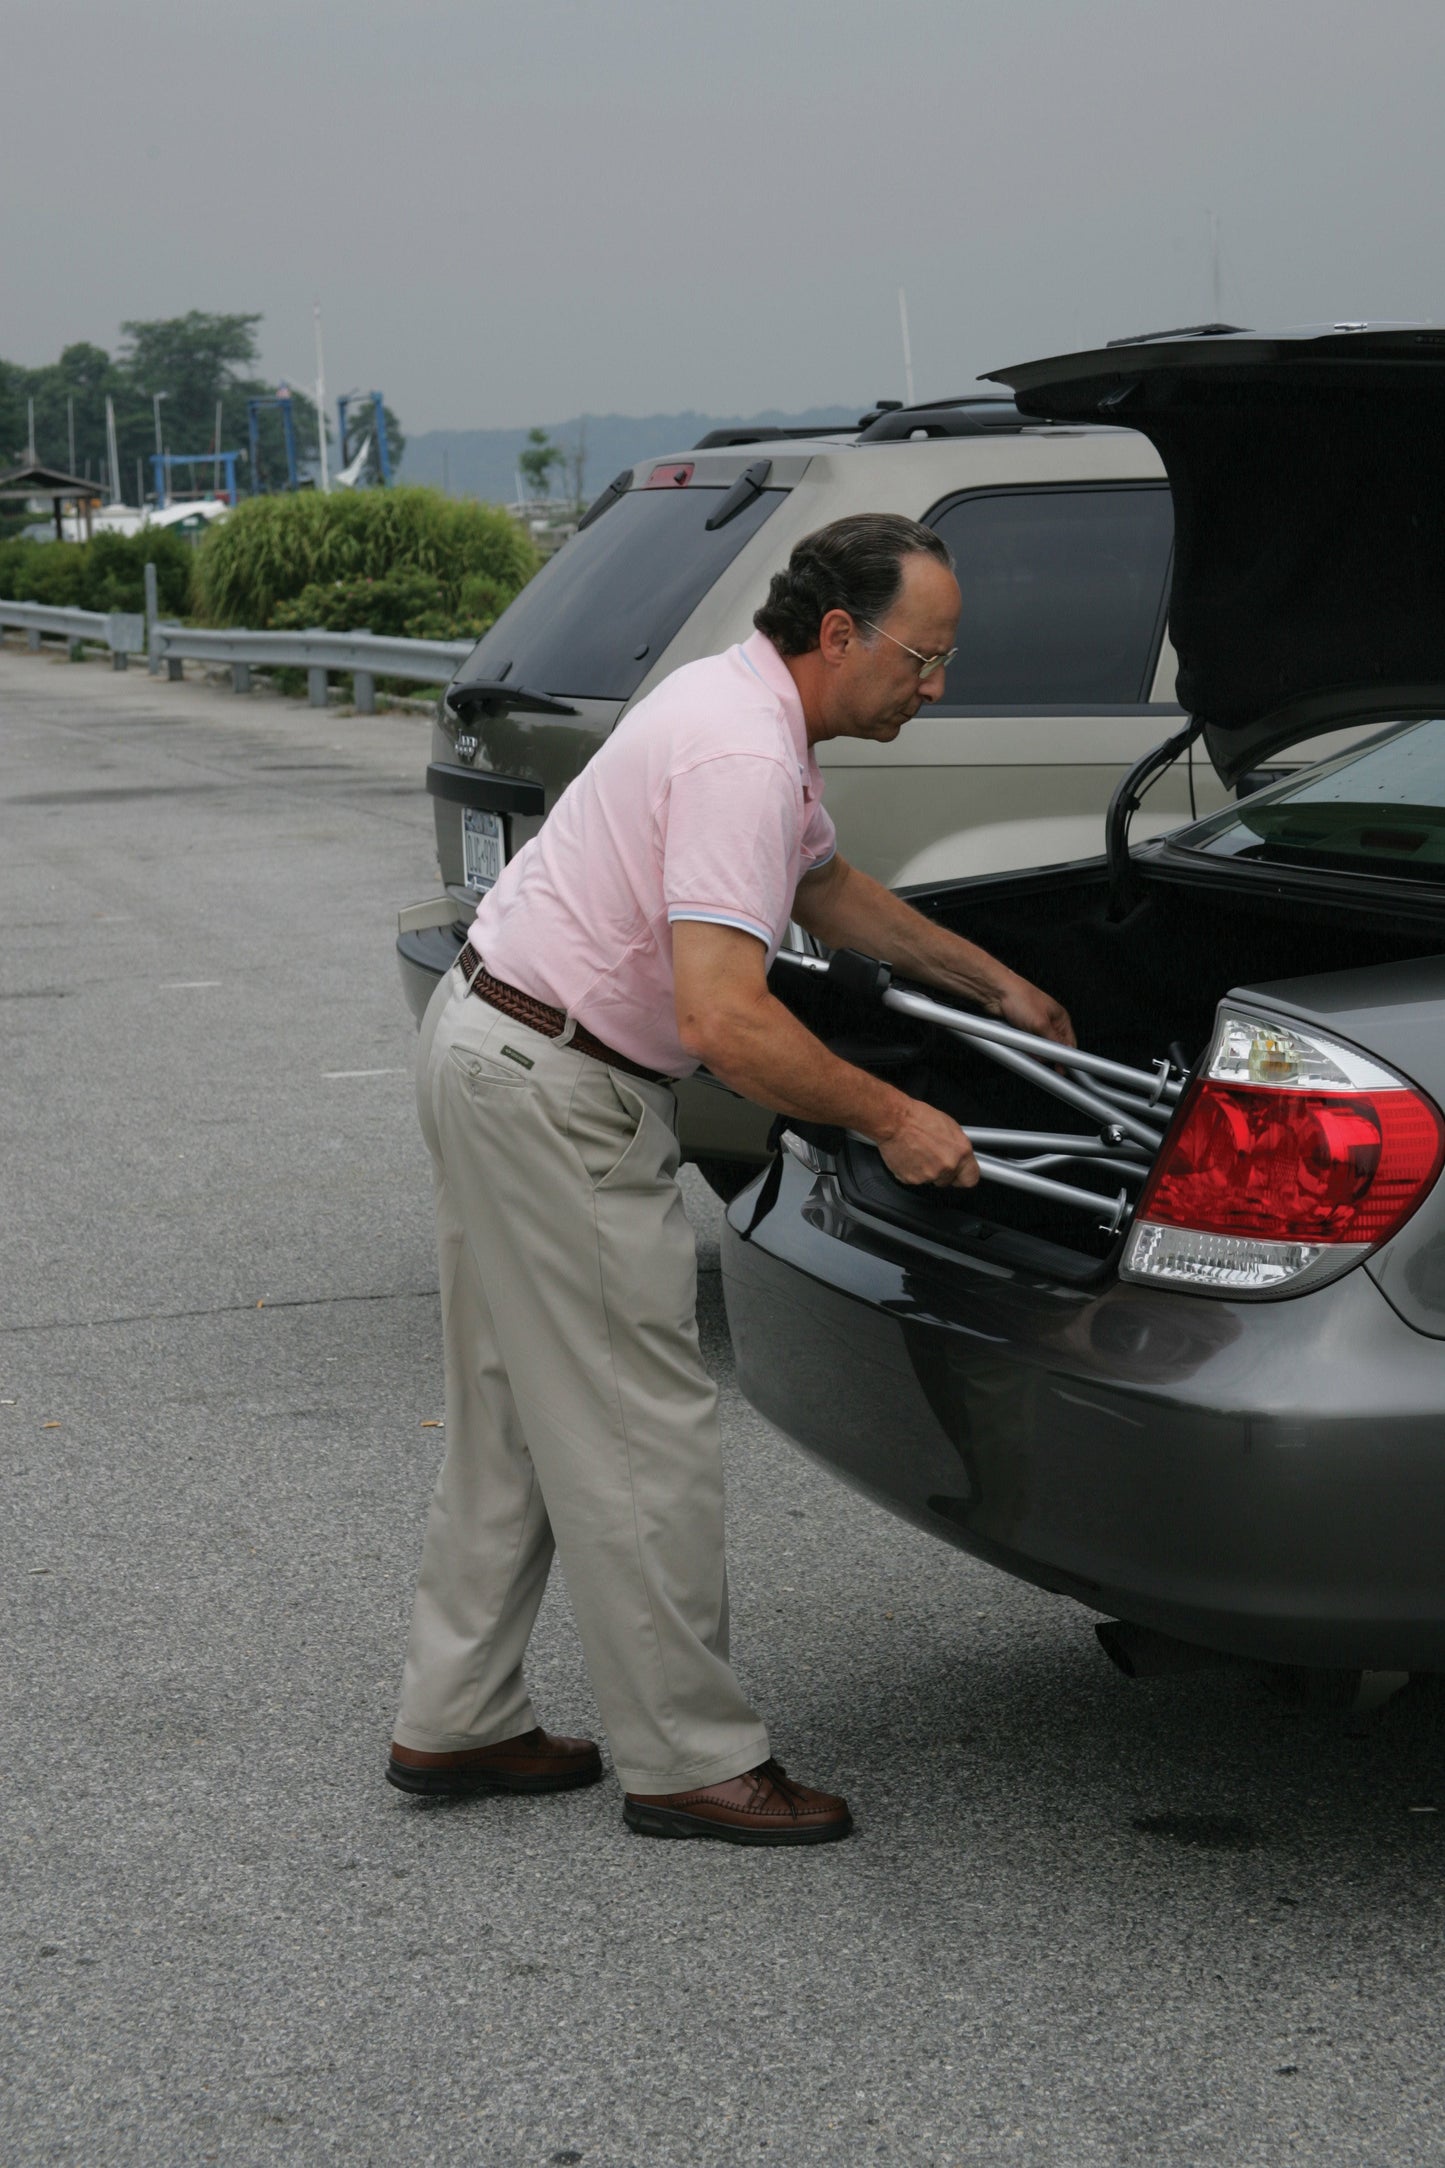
(763, 1806)
(535, 1762)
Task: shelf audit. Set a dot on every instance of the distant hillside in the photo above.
(483, 462)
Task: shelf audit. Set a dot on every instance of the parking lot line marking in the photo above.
(332, 1074)
(178, 986)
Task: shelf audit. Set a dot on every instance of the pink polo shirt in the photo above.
(705, 803)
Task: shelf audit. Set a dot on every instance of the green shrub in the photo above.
(384, 560)
(404, 602)
(407, 562)
(106, 574)
(114, 577)
(49, 572)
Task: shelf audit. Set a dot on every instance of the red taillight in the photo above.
(1295, 1166)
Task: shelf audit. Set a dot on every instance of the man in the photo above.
(626, 944)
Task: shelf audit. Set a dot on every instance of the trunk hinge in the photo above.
(1125, 803)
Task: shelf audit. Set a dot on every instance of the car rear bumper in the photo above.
(423, 958)
(1264, 1478)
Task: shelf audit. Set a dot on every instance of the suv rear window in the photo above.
(599, 613)
(1063, 595)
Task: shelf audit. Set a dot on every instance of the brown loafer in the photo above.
(763, 1806)
(535, 1762)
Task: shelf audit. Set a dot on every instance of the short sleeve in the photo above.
(729, 844)
(820, 838)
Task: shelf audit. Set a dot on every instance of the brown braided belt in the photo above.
(537, 1016)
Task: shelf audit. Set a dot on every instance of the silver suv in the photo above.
(1062, 536)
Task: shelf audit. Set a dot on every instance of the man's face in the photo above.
(873, 682)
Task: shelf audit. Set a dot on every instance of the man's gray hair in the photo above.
(853, 564)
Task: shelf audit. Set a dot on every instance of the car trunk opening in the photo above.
(1138, 989)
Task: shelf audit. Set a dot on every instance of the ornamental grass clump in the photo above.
(400, 561)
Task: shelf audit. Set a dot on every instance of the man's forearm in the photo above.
(762, 1051)
(855, 911)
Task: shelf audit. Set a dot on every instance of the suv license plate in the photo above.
(484, 852)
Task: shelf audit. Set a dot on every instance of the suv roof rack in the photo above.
(767, 433)
(1180, 331)
(889, 421)
(976, 414)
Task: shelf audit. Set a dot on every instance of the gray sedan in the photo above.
(1191, 1369)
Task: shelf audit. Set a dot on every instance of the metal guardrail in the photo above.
(122, 631)
(365, 655)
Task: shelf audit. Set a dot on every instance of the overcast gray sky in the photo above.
(515, 210)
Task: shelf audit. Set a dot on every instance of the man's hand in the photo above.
(729, 1019)
(928, 1146)
(1028, 1008)
(849, 909)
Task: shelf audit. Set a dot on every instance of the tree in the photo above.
(537, 460)
(199, 361)
(196, 360)
(77, 383)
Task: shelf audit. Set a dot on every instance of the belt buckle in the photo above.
(479, 972)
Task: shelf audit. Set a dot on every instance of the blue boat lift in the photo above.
(255, 408)
(163, 462)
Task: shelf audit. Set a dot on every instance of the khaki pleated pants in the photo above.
(578, 1411)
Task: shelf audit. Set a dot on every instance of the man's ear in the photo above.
(836, 635)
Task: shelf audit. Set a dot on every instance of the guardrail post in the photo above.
(153, 611)
(316, 685)
(32, 639)
(240, 677)
(175, 669)
(124, 632)
(364, 695)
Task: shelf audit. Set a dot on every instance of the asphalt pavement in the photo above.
(1083, 1923)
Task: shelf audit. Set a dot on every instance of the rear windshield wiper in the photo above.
(496, 698)
(617, 487)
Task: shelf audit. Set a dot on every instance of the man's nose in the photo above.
(931, 687)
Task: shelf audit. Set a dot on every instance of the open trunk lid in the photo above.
(1308, 477)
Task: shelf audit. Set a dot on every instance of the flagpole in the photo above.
(907, 346)
(321, 404)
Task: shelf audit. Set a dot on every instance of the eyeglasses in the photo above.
(927, 664)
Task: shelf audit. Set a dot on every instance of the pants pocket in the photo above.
(483, 1068)
(609, 1125)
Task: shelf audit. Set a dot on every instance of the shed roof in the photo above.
(35, 480)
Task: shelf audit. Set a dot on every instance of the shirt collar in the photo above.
(762, 657)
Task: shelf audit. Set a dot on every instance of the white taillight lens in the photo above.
(1224, 1264)
(1292, 1156)
(1258, 1050)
